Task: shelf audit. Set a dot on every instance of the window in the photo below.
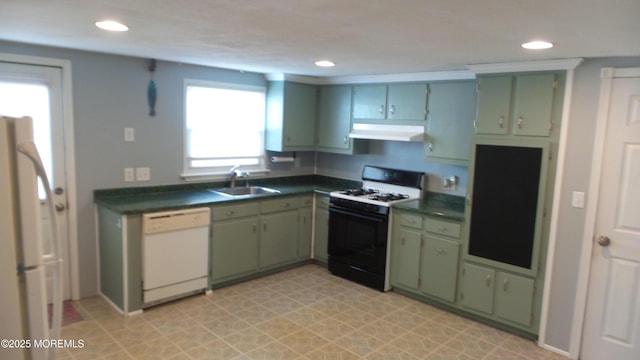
(224, 127)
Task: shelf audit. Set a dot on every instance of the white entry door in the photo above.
(612, 318)
(36, 91)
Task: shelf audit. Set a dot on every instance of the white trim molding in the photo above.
(369, 79)
(67, 113)
(522, 66)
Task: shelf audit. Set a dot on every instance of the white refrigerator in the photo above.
(24, 322)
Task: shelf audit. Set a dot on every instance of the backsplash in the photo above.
(396, 155)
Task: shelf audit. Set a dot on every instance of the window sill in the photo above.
(219, 175)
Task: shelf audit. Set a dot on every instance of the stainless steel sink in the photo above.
(244, 191)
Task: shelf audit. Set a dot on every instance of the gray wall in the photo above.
(109, 94)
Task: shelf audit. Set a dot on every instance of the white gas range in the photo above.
(359, 224)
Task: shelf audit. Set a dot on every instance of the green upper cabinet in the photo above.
(291, 114)
(523, 105)
(369, 102)
(407, 102)
(334, 118)
(450, 121)
(494, 104)
(533, 107)
(398, 102)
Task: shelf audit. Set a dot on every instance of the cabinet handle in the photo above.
(264, 226)
(441, 251)
(346, 139)
(489, 280)
(501, 122)
(285, 205)
(392, 109)
(442, 228)
(230, 212)
(505, 283)
(430, 145)
(469, 199)
(402, 240)
(381, 109)
(254, 227)
(411, 221)
(520, 121)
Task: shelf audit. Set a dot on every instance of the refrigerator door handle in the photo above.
(29, 149)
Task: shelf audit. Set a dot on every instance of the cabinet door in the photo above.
(299, 114)
(406, 267)
(450, 120)
(477, 288)
(334, 117)
(533, 104)
(439, 268)
(494, 105)
(304, 234)
(278, 238)
(514, 298)
(407, 102)
(321, 235)
(234, 248)
(369, 101)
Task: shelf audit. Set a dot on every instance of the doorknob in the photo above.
(58, 191)
(59, 206)
(604, 241)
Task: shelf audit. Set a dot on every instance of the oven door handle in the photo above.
(357, 213)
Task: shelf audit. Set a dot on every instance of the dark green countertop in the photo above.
(162, 198)
(437, 205)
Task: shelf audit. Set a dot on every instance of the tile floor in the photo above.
(304, 313)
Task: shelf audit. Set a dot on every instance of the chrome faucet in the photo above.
(234, 173)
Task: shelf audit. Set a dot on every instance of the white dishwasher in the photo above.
(175, 254)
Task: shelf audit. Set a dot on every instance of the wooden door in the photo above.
(612, 317)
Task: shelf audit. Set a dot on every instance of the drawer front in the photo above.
(234, 211)
(410, 220)
(281, 204)
(442, 227)
(322, 201)
(306, 201)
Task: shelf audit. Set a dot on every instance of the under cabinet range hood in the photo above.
(387, 132)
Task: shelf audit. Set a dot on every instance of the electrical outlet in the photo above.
(450, 183)
(143, 174)
(129, 134)
(129, 175)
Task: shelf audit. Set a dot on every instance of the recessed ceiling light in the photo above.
(537, 45)
(325, 63)
(110, 25)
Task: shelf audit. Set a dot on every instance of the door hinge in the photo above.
(461, 297)
(463, 271)
(555, 84)
(550, 155)
(477, 87)
(544, 212)
(419, 282)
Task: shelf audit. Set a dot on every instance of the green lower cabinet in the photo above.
(439, 270)
(406, 268)
(514, 298)
(278, 238)
(321, 229)
(234, 249)
(477, 288)
(305, 230)
(503, 295)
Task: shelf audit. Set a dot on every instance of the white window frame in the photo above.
(196, 173)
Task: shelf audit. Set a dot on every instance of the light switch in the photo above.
(129, 135)
(577, 199)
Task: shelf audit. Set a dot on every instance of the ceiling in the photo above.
(363, 37)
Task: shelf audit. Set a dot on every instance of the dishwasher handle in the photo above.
(175, 220)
